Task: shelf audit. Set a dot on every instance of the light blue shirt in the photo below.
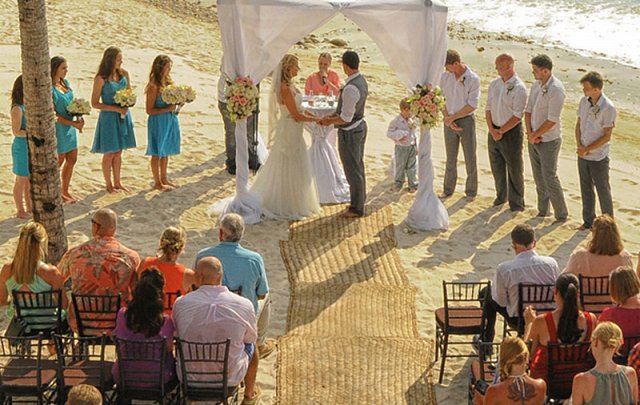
(242, 268)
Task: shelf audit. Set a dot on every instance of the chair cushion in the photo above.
(88, 372)
(22, 373)
(464, 320)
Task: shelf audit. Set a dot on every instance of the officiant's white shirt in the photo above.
(460, 92)
(350, 97)
(506, 99)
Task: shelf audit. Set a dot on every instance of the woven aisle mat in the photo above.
(356, 310)
(320, 371)
(374, 225)
(322, 265)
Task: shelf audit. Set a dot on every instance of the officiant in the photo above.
(325, 81)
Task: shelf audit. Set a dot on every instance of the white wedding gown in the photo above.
(285, 183)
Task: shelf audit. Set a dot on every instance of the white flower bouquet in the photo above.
(79, 107)
(178, 95)
(242, 98)
(125, 98)
(427, 103)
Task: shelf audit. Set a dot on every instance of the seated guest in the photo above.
(624, 288)
(566, 324)
(176, 276)
(604, 253)
(325, 81)
(144, 319)
(244, 271)
(606, 383)
(212, 313)
(633, 360)
(527, 267)
(84, 394)
(101, 265)
(28, 271)
(515, 386)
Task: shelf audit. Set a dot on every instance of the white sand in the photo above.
(478, 238)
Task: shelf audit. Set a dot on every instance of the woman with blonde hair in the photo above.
(325, 81)
(624, 289)
(515, 386)
(606, 383)
(604, 253)
(177, 277)
(28, 270)
(285, 183)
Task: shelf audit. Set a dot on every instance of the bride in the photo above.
(285, 182)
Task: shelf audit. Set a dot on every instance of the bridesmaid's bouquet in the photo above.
(79, 107)
(178, 94)
(427, 103)
(242, 98)
(125, 98)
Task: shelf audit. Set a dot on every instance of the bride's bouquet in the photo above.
(427, 103)
(79, 107)
(242, 98)
(125, 98)
(178, 95)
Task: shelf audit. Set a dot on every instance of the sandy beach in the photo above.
(478, 237)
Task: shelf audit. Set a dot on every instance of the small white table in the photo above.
(330, 179)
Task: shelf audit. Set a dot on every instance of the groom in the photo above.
(352, 131)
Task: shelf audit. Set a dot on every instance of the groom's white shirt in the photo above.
(350, 97)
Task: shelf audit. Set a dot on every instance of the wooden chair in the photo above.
(204, 371)
(539, 296)
(483, 369)
(594, 293)
(462, 314)
(169, 299)
(25, 377)
(623, 353)
(141, 365)
(81, 360)
(40, 311)
(95, 314)
(565, 361)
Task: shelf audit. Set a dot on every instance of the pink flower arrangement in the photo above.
(242, 97)
(427, 103)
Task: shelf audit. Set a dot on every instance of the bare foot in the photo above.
(22, 215)
(68, 199)
(121, 187)
(161, 187)
(170, 183)
(111, 189)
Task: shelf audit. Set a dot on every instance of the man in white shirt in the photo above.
(506, 100)
(542, 122)
(461, 87)
(594, 127)
(212, 313)
(527, 267)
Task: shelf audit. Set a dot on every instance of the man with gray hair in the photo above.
(244, 273)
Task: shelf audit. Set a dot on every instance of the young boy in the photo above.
(403, 132)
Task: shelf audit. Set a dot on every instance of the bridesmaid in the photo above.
(19, 153)
(113, 134)
(66, 127)
(163, 127)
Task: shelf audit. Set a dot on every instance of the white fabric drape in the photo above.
(411, 35)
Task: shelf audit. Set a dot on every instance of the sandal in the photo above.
(267, 348)
(255, 399)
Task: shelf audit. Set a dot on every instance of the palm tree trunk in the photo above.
(41, 133)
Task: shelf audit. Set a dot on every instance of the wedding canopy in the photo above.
(411, 34)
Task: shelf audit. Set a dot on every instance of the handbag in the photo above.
(17, 328)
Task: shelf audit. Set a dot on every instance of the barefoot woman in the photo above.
(113, 133)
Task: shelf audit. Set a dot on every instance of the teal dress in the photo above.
(66, 135)
(163, 132)
(113, 133)
(19, 152)
(611, 389)
(37, 285)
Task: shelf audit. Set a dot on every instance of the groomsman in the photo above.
(506, 100)
(461, 87)
(596, 119)
(542, 121)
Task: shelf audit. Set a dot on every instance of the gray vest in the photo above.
(361, 85)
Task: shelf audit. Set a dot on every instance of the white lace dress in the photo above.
(285, 183)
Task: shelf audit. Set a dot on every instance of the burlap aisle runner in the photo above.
(352, 335)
